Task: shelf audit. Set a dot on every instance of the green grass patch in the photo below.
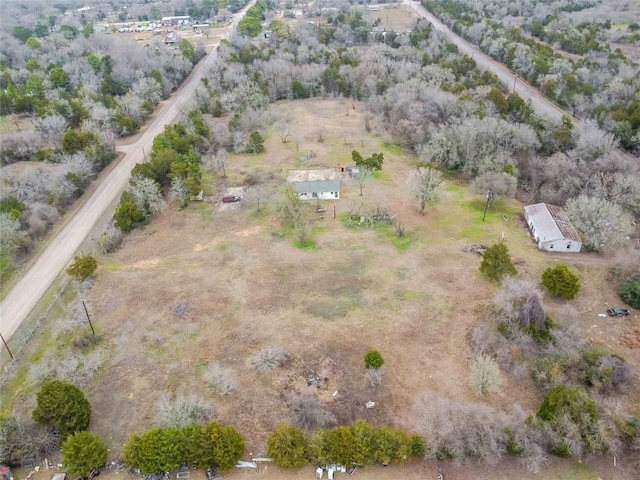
(6, 270)
(208, 180)
(411, 295)
(463, 219)
(391, 149)
(580, 471)
(329, 310)
(111, 266)
(389, 233)
(224, 247)
(309, 245)
(384, 230)
(455, 188)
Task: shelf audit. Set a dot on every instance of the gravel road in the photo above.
(33, 284)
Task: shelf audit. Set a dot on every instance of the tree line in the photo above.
(601, 85)
(80, 91)
(459, 119)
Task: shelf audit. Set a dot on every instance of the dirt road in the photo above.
(543, 106)
(25, 295)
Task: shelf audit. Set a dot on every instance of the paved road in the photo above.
(28, 291)
(543, 106)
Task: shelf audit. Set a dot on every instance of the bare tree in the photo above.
(9, 233)
(375, 376)
(485, 375)
(109, 239)
(220, 379)
(178, 190)
(512, 296)
(495, 184)
(182, 411)
(592, 142)
(268, 358)
(424, 182)
(52, 128)
(601, 222)
(258, 196)
(532, 312)
(147, 195)
(309, 413)
(220, 161)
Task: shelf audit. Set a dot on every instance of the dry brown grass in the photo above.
(199, 286)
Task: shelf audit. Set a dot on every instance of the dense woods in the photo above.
(600, 83)
(66, 95)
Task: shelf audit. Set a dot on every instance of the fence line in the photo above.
(38, 323)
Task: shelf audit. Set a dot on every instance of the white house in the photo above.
(551, 228)
(319, 189)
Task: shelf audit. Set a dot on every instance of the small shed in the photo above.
(551, 228)
(318, 189)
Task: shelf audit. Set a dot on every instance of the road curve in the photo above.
(543, 106)
(28, 291)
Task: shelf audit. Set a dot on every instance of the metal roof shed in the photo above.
(551, 228)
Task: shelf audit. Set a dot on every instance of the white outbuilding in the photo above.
(551, 228)
(318, 189)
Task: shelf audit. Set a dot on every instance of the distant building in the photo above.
(181, 20)
(551, 228)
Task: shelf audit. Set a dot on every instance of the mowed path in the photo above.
(28, 291)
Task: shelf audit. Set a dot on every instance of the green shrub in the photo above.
(165, 449)
(542, 335)
(127, 214)
(629, 292)
(83, 452)
(561, 282)
(373, 359)
(82, 267)
(62, 406)
(605, 372)
(364, 444)
(568, 409)
(496, 262)
(286, 446)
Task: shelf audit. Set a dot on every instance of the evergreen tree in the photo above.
(496, 262)
(62, 406)
(83, 452)
(286, 446)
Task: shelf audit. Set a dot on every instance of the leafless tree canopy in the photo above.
(182, 411)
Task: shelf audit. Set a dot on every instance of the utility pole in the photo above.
(13, 359)
(486, 206)
(515, 79)
(88, 318)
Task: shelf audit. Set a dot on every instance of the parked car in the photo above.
(230, 198)
(617, 312)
